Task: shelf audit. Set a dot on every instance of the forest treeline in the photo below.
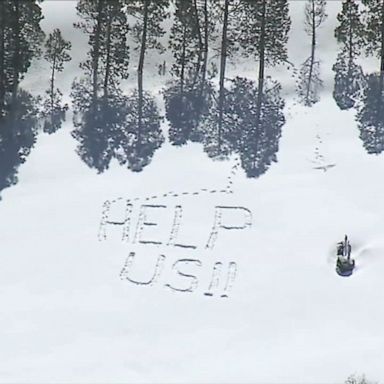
(229, 116)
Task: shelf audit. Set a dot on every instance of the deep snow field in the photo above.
(69, 315)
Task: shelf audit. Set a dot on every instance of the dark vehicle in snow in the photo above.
(344, 264)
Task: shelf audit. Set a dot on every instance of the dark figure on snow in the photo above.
(344, 265)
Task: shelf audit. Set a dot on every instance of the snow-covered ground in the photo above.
(68, 316)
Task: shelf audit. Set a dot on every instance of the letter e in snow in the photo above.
(142, 223)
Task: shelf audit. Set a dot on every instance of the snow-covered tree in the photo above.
(370, 117)
(187, 96)
(310, 83)
(20, 40)
(349, 82)
(350, 31)
(371, 114)
(254, 140)
(56, 54)
(212, 128)
(375, 33)
(18, 131)
(256, 132)
(99, 105)
(374, 23)
(142, 135)
(350, 34)
(263, 34)
(105, 24)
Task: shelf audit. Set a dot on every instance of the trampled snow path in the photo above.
(320, 161)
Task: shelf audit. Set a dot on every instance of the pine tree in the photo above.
(261, 142)
(185, 40)
(350, 31)
(105, 22)
(315, 15)
(99, 129)
(20, 39)
(310, 82)
(257, 29)
(146, 33)
(263, 30)
(374, 23)
(143, 133)
(349, 82)
(263, 33)
(99, 105)
(253, 133)
(256, 142)
(185, 111)
(370, 117)
(187, 97)
(375, 33)
(136, 151)
(18, 133)
(349, 78)
(25, 17)
(56, 54)
(212, 129)
(3, 37)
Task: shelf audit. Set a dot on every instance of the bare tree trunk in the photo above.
(260, 85)
(312, 52)
(140, 70)
(350, 33)
(261, 65)
(108, 59)
(206, 37)
(53, 78)
(204, 47)
(223, 62)
(382, 52)
(16, 55)
(96, 51)
(200, 39)
(182, 71)
(381, 78)
(200, 43)
(205, 50)
(2, 46)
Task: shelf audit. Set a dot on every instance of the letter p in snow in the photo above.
(221, 221)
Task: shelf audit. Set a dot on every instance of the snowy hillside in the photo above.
(197, 267)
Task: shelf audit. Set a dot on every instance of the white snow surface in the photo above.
(66, 316)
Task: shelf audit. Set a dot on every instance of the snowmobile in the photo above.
(344, 265)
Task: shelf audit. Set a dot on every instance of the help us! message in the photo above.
(173, 245)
